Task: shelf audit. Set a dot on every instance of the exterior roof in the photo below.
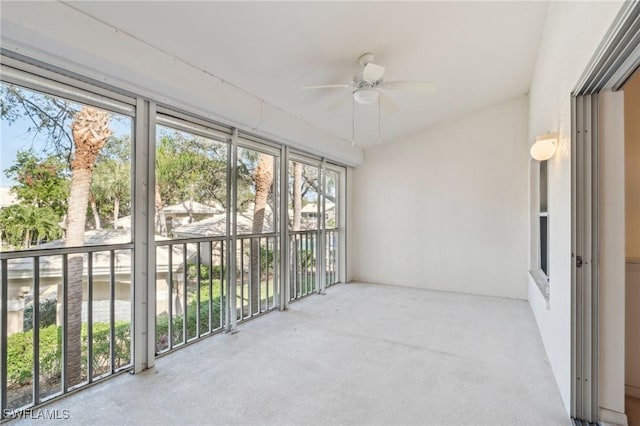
(313, 207)
(192, 207)
(217, 226)
(51, 266)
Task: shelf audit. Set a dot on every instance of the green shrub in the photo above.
(20, 358)
(20, 352)
(215, 271)
(47, 314)
(306, 258)
(101, 346)
(162, 322)
(192, 272)
(266, 259)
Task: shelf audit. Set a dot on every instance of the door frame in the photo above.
(615, 60)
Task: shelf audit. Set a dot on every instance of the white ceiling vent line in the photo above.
(262, 102)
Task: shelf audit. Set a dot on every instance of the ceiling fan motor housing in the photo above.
(366, 58)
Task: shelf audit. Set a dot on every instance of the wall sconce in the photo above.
(544, 147)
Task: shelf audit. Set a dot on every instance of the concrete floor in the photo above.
(361, 355)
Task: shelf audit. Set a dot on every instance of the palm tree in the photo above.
(111, 184)
(297, 196)
(45, 225)
(14, 224)
(263, 179)
(22, 224)
(90, 131)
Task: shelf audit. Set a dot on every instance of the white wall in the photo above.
(612, 259)
(447, 209)
(571, 35)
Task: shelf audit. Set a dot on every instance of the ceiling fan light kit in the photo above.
(366, 96)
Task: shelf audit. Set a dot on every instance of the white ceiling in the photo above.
(478, 53)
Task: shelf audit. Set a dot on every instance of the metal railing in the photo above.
(57, 333)
(191, 301)
(303, 248)
(332, 275)
(190, 290)
(256, 275)
(305, 268)
(192, 293)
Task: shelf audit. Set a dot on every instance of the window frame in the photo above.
(146, 113)
(540, 244)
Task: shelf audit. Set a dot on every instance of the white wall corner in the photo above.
(454, 200)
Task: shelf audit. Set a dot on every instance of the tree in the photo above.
(311, 181)
(81, 146)
(111, 182)
(297, 196)
(188, 168)
(40, 182)
(263, 179)
(90, 130)
(46, 114)
(41, 190)
(22, 225)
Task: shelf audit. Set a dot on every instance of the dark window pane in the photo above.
(544, 245)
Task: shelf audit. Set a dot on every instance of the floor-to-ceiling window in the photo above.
(191, 229)
(304, 214)
(334, 177)
(65, 237)
(314, 224)
(129, 229)
(255, 228)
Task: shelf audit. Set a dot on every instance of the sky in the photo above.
(16, 136)
(13, 139)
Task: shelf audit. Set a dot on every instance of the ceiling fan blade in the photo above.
(387, 104)
(328, 86)
(418, 86)
(342, 101)
(373, 72)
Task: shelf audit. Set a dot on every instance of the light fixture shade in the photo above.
(545, 147)
(366, 96)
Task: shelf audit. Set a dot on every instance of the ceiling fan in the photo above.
(366, 85)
